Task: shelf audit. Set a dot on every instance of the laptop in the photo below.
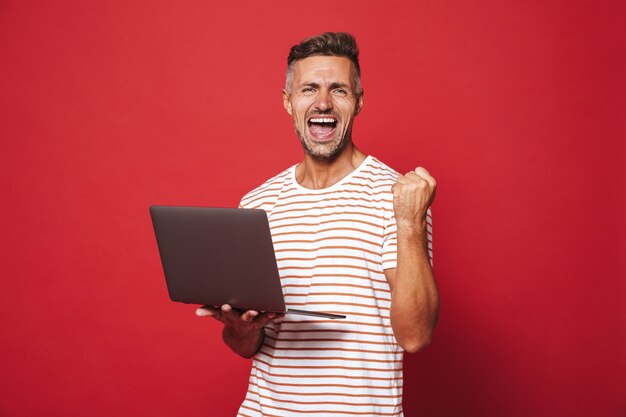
(216, 256)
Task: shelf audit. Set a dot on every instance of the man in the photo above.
(351, 237)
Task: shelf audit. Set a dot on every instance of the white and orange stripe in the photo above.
(332, 247)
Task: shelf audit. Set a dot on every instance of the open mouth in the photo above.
(322, 127)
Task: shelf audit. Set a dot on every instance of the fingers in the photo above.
(270, 317)
(404, 179)
(425, 175)
(249, 315)
(206, 311)
(232, 317)
(419, 172)
(260, 319)
(222, 314)
(422, 172)
(400, 181)
(229, 315)
(413, 179)
(418, 177)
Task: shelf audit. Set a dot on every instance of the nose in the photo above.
(323, 101)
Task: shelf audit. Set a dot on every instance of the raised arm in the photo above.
(414, 294)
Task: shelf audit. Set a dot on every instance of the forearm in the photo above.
(414, 298)
(245, 345)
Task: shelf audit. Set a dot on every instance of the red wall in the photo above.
(517, 108)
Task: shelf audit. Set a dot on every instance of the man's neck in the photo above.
(317, 174)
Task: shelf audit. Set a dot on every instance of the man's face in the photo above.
(323, 103)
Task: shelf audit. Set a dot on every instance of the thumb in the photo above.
(205, 312)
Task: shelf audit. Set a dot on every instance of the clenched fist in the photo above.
(413, 193)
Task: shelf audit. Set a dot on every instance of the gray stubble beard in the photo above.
(333, 151)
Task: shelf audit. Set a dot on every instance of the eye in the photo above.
(340, 91)
(307, 89)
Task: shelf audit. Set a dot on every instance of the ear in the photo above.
(359, 104)
(286, 102)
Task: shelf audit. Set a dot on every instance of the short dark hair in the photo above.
(327, 44)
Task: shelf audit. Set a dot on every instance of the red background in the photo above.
(517, 108)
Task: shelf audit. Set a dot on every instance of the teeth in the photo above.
(322, 120)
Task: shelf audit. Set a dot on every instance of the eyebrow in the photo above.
(333, 85)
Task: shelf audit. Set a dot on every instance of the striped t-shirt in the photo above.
(332, 246)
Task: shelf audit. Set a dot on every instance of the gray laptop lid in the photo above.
(216, 256)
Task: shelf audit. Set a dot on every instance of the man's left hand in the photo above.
(413, 193)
